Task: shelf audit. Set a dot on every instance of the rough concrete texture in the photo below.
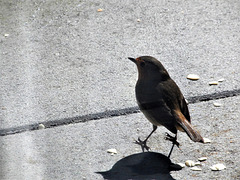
(77, 151)
(64, 59)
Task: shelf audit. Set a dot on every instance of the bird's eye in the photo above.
(142, 64)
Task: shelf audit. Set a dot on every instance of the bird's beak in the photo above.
(132, 59)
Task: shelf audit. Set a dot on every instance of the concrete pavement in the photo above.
(77, 151)
(62, 60)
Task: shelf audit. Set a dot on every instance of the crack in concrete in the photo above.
(110, 113)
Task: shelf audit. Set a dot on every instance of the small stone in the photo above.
(206, 140)
(197, 164)
(217, 104)
(181, 164)
(221, 80)
(213, 83)
(202, 159)
(193, 77)
(217, 167)
(190, 163)
(112, 151)
(196, 169)
(41, 126)
(100, 10)
(138, 20)
(6, 35)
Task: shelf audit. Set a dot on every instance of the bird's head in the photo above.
(150, 67)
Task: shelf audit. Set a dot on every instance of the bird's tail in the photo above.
(188, 128)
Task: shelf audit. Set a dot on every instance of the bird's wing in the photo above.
(173, 95)
(184, 108)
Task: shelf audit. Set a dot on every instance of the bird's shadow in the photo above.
(146, 165)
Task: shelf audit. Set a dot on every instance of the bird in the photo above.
(161, 101)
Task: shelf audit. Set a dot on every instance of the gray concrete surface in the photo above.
(64, 59)
(77, 151)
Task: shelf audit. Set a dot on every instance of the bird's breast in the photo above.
(156, 112)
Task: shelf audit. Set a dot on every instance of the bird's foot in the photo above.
(172, 139)
(143, 144)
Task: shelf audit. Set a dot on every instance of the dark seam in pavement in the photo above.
(108, 114)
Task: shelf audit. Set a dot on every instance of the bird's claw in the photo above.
(143, 144)
(172, 139)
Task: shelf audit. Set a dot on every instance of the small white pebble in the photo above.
(196, 169)
(193, 77)
(217, 104)
(197, 164)
(213, 83)
(6, 35)
(41, 126)
(206, 140)
(202, 159)
(138, 20)
(190, 163)
(217, 167)
(112, 151)
(221, 80)
(181, 164)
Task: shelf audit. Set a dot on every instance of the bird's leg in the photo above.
(174, 142)
(143, 144)
(172, 139)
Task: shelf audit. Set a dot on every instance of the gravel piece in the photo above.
(217, 167)
(202, 159)
(112, 151)
(206, 140)
(217, 104)
(190, 163)
(196, 169)
(213, 83)
(193, 77)
(41, 126)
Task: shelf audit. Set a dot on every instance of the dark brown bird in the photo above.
(161, 101)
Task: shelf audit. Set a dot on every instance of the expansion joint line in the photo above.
(109, 114)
